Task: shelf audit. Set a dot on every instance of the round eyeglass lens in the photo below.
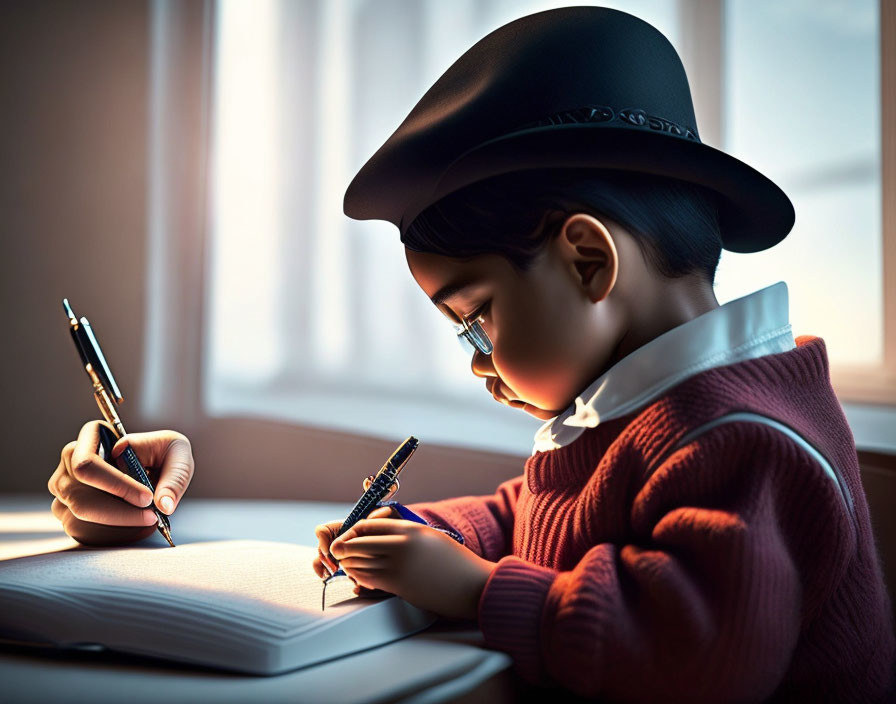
(464, 341)
(480, 338)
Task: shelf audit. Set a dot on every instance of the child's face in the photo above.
(554, 328)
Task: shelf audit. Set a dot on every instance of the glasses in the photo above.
(472, 336)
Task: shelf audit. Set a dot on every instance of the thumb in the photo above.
(168, 451)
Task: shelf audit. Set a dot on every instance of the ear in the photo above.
(587, 247)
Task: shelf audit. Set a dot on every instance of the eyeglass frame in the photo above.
(474, 335)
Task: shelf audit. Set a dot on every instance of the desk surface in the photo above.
(447, 662)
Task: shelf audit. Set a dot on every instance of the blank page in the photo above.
(243, 604)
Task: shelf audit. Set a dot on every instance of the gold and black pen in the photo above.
(384, 483)
(103, 384)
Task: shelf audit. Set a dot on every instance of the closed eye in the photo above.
(475, 315)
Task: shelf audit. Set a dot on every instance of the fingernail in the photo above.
(116, 453)
(166, 504)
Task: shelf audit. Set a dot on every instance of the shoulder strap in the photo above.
(749, 417)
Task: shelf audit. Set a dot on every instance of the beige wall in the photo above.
(73, 126)
(72, 182)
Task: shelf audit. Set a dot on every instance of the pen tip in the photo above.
(167, 534)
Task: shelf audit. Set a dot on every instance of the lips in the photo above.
(492, 385)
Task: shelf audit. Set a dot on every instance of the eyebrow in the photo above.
(449, 290)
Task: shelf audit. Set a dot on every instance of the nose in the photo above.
(481, 364)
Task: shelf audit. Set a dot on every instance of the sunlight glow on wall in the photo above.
(329, 318)
(245, 213)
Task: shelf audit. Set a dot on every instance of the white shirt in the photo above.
(745, 328)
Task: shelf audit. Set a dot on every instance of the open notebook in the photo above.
(245, 605)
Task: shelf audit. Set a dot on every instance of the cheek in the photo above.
(540, 352)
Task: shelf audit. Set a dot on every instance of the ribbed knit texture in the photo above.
(729, 569)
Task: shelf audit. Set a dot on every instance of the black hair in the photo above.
(515, 215)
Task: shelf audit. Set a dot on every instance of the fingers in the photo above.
(87, 467)
(364, 573)
(98, 503)
(327, 562)
(350, 565)
(365, 546)
(355, 566)
(381, 512)
(326, 532)
(377, 526)
(318, 566)
(96, 534)
(172, 453)
(177, 472)
(88, 441)
(380, 534)
(58, 508)
(61, 471)
(95, 506)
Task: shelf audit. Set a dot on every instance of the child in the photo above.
(691, 524)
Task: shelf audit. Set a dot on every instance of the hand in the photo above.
(422, 565)
(326, 532)
(100, 505)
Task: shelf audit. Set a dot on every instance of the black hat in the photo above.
(571, 87)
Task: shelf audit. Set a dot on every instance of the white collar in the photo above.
(747, 327)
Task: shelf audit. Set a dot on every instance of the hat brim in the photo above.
(754, 213)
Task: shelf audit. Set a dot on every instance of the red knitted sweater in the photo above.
(653, 559)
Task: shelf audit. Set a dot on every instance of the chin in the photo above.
(529, 408)
(539, 413)
(542, 414)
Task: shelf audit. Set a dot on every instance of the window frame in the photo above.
(702, 50)
(877, 384)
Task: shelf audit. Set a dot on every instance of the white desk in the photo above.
(446, 663)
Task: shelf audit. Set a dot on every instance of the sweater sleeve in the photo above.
(703, 599)
(485, 522)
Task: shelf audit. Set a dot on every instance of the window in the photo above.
(314, 318)
(802, 105)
